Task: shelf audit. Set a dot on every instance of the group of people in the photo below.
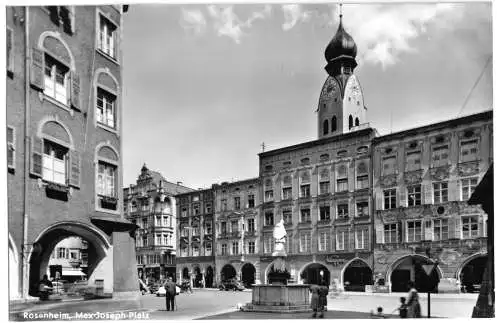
(318, 298)
(409, 306)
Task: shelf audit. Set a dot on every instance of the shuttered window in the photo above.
(106, 179)
(107, 37)
(391, 233)
(105, 108)
(54, 163)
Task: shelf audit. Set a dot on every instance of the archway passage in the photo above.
(410, 269)
(471, 275)
(248, 275)
(314, 274)
(70, 252)
(357, 275)
(227, 272)
(198, 278)
(209, 277)
(185, 273)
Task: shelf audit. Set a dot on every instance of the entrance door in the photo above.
(400, 279)
(209, 277)
(248, 275)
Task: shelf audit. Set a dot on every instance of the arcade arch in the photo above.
(470, 273)
(409, 268)
(227, 272)
(248, 274)
(314, 273)
(355, 275)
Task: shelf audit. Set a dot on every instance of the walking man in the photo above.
(170, 294)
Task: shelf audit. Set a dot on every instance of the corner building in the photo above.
(64, 132)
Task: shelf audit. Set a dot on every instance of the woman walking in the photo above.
(413, 304)
(314, 289)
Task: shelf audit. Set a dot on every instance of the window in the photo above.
(158, 239)
(208, 208)
(184, 252)
(347, 69)
(305, 215)
(356, 121)
(390, 199)
(184, 212)
(342, 210)
(224, 249)
(56, 80)
(440, 192)
(412, 161)
(361, 239)
(324, 187)
(234, 226)
(144, 241)
(237, 203)
(158, 221)
(251, 247)
(287, 216)
(287, 193)
(469, 150)
(208, 228)
(305, 242)
(105, 113)
(107, 37)
(267, 244)
(54, 162)
(362, 209)
(325, 127)
(414, 231)
(391, 233)
(440, 229)
(139, 260)
(350, 119)
(106, 180)
(468, 187)
(334, 124)
(389, 165)
(224, 204)
(289, 245)
(362, 182)
(342, 185)
(61, 253)
(208, 248)
(196, 231)
(440, 155)
(469, 227)
(196, 251)
(11, 147)
(324, 213)
(62, 15)
(269, 195)
(341, 240)
(223, 227)
(251, 200)
(305, 190)
(414, 195)
(323, 241)
(145, 223)
(251, 225)
(269, 218)
(196, 209)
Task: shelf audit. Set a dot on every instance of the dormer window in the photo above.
(346, 70)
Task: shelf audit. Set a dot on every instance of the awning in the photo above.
(73, 273)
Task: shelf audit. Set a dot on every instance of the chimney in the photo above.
(179, 183)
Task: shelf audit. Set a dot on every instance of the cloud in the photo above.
(193, 19)
(383, 32)
(293, 14)
(227, 23)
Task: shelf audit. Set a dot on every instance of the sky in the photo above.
(205, 85)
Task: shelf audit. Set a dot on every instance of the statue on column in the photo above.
(279, 235)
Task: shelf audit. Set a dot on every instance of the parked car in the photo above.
(231, 285)
(161, 291)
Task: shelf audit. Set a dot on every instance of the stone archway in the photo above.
(409, 268)
(315, 273)
(470, 273)
(209, 277)
(355, 275)
(227, 272)
(248, 274)
(100, 255)
(197, 277)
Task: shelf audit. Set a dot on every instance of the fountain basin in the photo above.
(279, 299)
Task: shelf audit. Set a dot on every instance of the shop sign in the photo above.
(266, 259)
(381, 289)
(335, 260)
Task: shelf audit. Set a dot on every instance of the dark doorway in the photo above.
(198, 278)
(357, 275)
(185, 273)
(228, 272)
(471, 275)
(409, 267)
(209, 277)
(248, 275)
(315, 273)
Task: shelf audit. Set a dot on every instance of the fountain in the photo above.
(278, 295)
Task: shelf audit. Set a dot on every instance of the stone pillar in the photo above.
(125, 276)
(257, 273)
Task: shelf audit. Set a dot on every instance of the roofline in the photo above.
(237, 182)
(485, 115)
(307, 144)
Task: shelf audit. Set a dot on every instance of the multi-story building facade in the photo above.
(195, 239)
(64, 89)
(423, 178)
(69, 260)
(237, 224)
(150, 204)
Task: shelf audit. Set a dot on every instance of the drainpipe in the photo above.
(27, 145)
(373, 209)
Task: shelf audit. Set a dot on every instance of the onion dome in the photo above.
(342, 44)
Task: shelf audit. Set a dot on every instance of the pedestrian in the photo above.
(323, 291)
(413, 304)
(44, 288)
(170, 291)
(403, 310)
(314, 289)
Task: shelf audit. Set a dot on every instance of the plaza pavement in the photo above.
(214, 304)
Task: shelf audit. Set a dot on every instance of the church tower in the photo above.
(341, 106)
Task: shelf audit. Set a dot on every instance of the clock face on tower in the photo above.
(330, 89)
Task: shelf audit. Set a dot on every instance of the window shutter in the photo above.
(452, 228)
(379, 201)
(402, 198)
(379, 234)
(37, 66)
(36, 156)
(75, 90)
(74, 163)
(11, 147)
(10, 45)
(428, 194)
(458, 228)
